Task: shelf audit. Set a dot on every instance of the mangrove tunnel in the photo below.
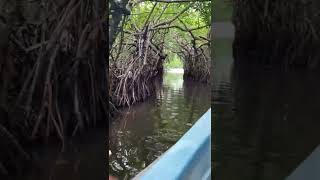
(159, 74)
(265, 87)
(68, 68)
(83, 82)
(143, 38)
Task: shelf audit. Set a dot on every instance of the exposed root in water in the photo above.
(135, 63)
(133, 75)
(282, 33)
(52, 66)
(196, 65)
(196, 58)
(138, 54)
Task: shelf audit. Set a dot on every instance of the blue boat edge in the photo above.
(189, 158)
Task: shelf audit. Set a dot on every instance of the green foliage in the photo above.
(197, 15)
(173, 62)
(204, 8)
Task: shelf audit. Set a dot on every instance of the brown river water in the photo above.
(265, 121)
(136, 138)
(148, 129)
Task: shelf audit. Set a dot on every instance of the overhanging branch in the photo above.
(173, 19)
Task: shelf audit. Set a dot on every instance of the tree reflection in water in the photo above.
(146, 130)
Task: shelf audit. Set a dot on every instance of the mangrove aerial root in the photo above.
(52, 66)
(281, 33)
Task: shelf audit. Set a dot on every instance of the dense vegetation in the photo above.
(147, 35)
(281, 33)
(54, 80)
(52, 65)
(174, 62)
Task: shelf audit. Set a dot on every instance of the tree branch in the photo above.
(154, 6)
(164, 9)
(173, 19)
(178, 27)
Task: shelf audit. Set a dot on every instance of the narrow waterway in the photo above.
(146, 130)
(266, 121)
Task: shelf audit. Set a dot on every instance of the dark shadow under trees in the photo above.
(53, 72)
(278, 33)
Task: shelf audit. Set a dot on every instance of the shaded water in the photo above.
(266, 121)
(148, 129)
(83, 158)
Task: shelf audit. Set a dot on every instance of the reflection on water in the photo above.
(265, 121)
(83, 159)
(175, 70)
(148, 129)
(174, 79)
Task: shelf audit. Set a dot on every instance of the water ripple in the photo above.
(152, 127)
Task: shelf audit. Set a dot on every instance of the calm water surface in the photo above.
(266, 121)
(147, 130)
(83, 158)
